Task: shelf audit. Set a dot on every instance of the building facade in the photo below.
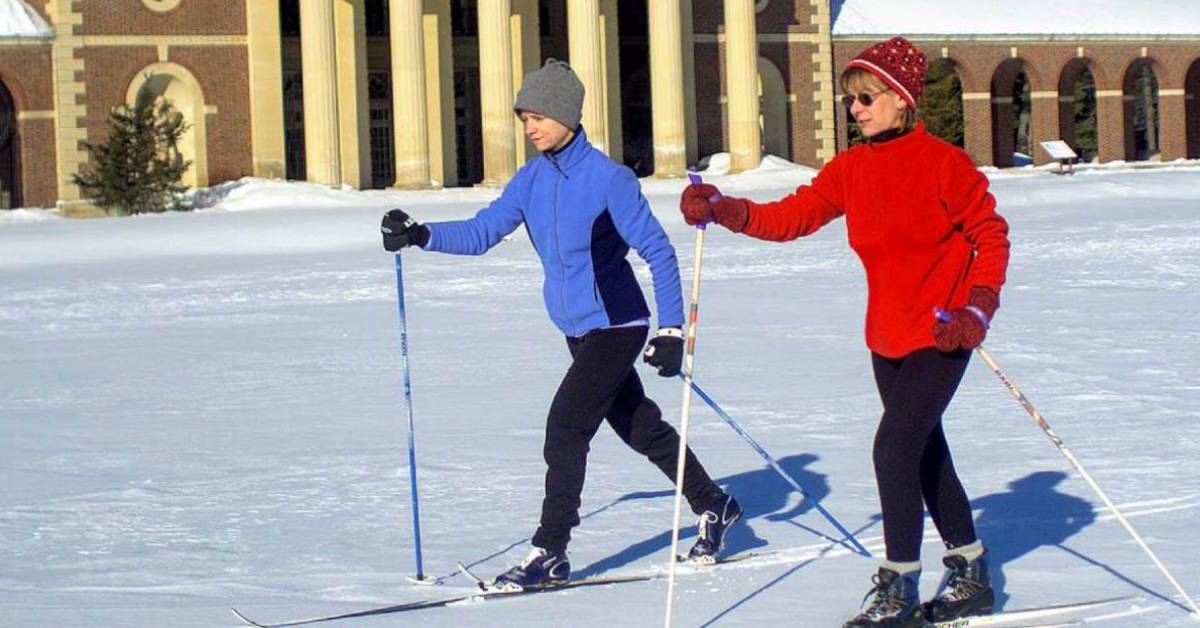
(418, 93)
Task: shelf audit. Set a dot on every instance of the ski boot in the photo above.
(541, 569)
(968, 590)
(897, 603)
(711, 528)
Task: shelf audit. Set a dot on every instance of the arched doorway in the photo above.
(1012, 110)
(9, 162)
(1141, 111)
(773, 99)
(941, 105)
(1191, 95)
(1077, 120)
(176, 85)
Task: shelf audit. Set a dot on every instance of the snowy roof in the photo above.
(18, 20)
(1017, 17)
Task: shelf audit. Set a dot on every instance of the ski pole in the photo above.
(412, 453)
(945, 317)
(688, 372)
(849, 536)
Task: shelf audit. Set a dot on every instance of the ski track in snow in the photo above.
(197, 414)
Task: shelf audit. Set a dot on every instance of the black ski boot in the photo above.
(711, 528)
(968, 590)
(541, 569)
(897, 603)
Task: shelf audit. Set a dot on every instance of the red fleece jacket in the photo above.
(921, 219)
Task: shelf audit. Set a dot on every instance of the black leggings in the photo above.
(602, 384)
(912, 459)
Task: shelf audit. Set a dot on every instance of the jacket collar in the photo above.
(896, 137)
(565, 158)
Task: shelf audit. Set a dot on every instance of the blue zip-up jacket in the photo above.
(583, 212)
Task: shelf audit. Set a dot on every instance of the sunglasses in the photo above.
(865, 99)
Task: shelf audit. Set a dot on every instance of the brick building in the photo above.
(309, 89)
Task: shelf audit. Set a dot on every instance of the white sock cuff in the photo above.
(969, 552)
(902, 568)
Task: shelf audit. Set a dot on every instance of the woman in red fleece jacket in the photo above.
(921, 219)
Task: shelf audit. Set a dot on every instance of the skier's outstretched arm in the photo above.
(473, 236)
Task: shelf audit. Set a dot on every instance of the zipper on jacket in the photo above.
(562, 264)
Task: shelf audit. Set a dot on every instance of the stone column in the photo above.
(1044, 125)
(666, 89)
(1110, 124)
(439, 94)
(410, 117)
(322, 145)
(496, 91)
(610, 55)
(825, 135)
(583, 37)
(527, 53)
(689, 82)
(266, 97)
(741, 80)
(353, 99)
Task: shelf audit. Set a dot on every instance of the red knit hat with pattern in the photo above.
(897, 63)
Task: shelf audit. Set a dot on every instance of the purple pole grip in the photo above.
(716, 197)
(942, 315)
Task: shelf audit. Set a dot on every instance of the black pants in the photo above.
(602, 384)
(912, 459)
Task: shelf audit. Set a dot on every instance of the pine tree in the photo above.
(1086, 140)
(941, 106)
(138, 168)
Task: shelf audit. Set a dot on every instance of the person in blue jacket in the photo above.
(583, 213)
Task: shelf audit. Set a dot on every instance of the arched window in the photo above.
(1141, 111)
(1077, 119)
(1012, 110)
(9, 155)
(176, 85)
(773, 108)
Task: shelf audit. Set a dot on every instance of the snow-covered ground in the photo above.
(203, 410)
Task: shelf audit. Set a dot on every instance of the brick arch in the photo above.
(1140, 145)
(9, 79)
(1191, 90)
(1101, 69)
(1011, 67)
(1078, 120)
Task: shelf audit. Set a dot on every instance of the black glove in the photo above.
(665, 351)
(400, 230)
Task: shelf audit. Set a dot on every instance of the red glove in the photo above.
(698, 206)
(967, 326)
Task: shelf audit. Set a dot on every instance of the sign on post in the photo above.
(1061, 152)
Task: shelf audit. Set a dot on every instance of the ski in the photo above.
(484, 592)
(446, 601)
(1023, 616)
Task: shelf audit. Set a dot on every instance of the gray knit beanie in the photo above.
(553, 91)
